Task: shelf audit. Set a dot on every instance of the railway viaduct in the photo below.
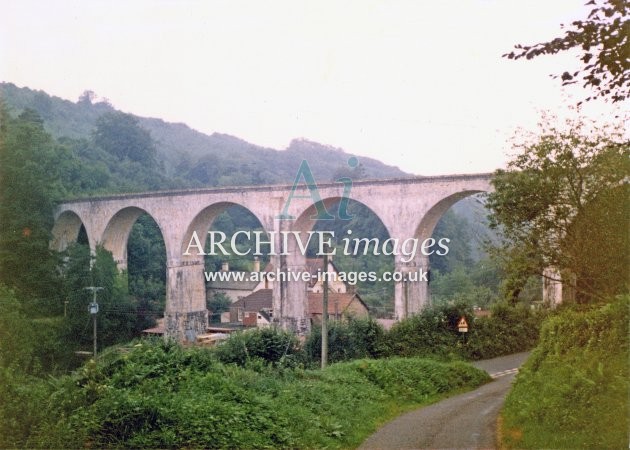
(408, 208)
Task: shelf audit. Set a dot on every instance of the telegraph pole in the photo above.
(93, 309)
(325, 312)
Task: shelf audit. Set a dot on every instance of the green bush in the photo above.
(271, 345)
(510, 329)
(23, 400)
(573, 390)
(158, 395)
(434, 332)
(354, 339)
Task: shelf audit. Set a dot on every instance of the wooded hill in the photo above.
(195, 158)
(187, 158)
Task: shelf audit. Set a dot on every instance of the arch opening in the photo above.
(232, 228)
(146, 271)
(137, 245)
(465, 274)
(68, 228)
(363, 254)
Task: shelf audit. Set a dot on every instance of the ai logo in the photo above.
(322, 212)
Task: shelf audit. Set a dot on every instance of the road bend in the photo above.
(466, 421)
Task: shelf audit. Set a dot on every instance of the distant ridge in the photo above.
(212, 160)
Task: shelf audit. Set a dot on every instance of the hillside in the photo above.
(217, 159)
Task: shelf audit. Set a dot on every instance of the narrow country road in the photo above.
(465, 421)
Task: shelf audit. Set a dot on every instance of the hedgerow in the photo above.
(573, 390)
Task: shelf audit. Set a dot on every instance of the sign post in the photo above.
(93, 309)
(462, 327)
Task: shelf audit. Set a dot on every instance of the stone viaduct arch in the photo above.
(407, 207)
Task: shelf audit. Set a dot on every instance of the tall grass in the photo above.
(573, 390)
(160, 395)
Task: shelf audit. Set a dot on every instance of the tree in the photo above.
(147, 270)
(120, 135)
(117, 318)
(604, 39)
(87, 97)
(30, 182)
(563, 203)
(218, 304)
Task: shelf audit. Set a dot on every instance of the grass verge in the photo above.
(573, 390)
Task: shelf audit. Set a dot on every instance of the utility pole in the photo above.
(325, 311)
(93, 309)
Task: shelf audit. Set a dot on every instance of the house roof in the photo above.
(255, 301)
(157, 329)
(338, 302)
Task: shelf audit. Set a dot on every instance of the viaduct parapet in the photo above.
(408, 208)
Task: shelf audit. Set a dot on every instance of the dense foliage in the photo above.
(563, 203)
(160, 395)
(509, 330)
(358, 338)
(266, 345)
(31, 169)
(573, 390)
(35, 172)
(434, 332)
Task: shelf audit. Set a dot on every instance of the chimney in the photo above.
(225, 266)
(256, 264)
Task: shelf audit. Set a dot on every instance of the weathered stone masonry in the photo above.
(408, 207)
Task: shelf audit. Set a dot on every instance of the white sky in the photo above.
(417, 84)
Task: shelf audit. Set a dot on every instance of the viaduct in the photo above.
(408, 208)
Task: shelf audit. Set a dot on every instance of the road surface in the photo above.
(464, 421)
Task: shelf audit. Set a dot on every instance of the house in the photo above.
(247, 308)
(256, 309)
(314, 267)
(340, 306)
(259, 319)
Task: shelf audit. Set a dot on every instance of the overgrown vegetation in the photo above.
(573, 390)
(430, 334)
(159, 395)
(434, 332)
(266, 345)
(358, 338)
(563, 203)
